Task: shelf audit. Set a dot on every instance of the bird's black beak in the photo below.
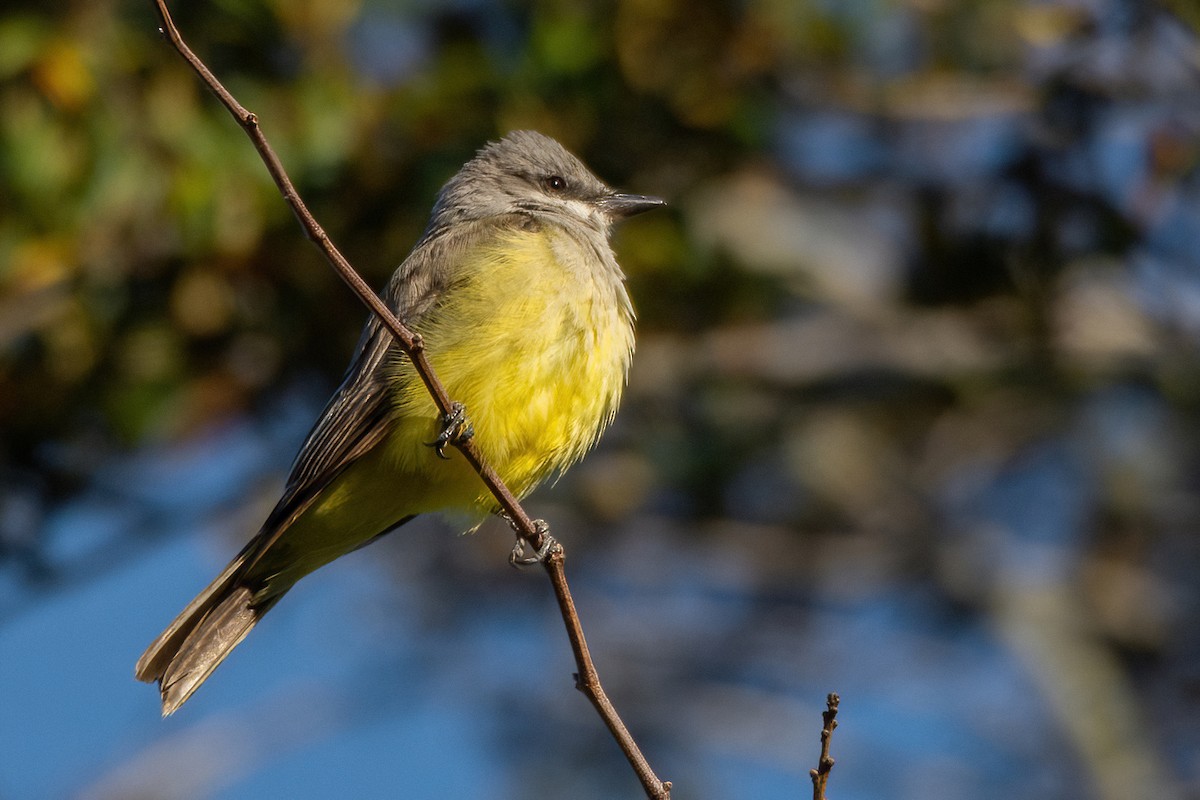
(620, 206)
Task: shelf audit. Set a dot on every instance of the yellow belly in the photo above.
(535, 343)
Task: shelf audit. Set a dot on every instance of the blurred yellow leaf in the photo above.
(202, 303)
(63, 76)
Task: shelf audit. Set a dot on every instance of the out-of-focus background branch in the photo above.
(913, 415)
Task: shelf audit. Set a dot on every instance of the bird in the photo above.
(526, 319)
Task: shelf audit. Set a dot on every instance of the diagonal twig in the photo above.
(411, 343)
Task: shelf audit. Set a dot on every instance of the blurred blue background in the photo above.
(913, 416)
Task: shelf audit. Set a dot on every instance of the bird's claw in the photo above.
(456, 429)
(549, 545)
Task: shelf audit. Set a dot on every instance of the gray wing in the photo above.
(354, 420)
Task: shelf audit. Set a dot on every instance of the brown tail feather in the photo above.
(200, 638)
(153, 663)
(216, 621)
(221, 630)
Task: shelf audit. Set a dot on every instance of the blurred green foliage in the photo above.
(152, 279)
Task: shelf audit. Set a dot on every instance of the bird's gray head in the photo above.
(526, 172)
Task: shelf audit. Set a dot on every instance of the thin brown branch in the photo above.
(820, 775)
(588, 682)
(411, 343)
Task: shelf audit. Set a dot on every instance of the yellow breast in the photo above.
(535, 340)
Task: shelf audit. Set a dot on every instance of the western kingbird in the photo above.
(526, 320)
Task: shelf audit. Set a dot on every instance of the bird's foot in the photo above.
(549, 545)
(456, 429)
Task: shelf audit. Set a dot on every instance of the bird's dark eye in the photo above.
(555, 183)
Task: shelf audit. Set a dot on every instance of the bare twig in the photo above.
(820, 775)
(588, 682)
(411, 343)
